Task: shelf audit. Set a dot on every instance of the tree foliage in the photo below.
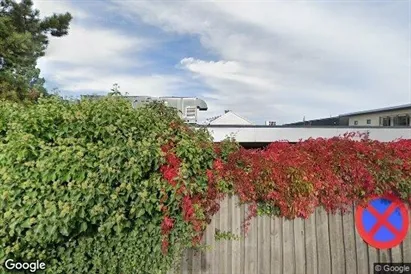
(24, 39)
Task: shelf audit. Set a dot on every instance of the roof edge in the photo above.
(399, 107)
(235, 115)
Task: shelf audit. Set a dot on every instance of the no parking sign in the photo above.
(383, 223)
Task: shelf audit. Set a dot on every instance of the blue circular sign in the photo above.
(383, 223)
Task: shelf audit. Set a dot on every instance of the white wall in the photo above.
(271, 134)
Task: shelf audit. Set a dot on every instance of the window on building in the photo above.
(368, 121)
(402, 120)
(355, 123)
(385, 121)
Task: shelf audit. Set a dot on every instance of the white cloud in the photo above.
(89, 59)
(283, 60)
(92, 58)
(48, 8)
(154, 85)
(92, 46)
(225, 70)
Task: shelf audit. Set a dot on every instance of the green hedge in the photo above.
(80, 184)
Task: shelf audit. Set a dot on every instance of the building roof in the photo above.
(317, 122)
(230, 118)
(400, 107)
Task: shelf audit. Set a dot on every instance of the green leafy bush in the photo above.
(81, 187)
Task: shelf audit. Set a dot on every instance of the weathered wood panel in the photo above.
(362, 254)
(311, 245)
(237, 217)
(336, 244)
(372, 257)
(223, 227)
(350, 251)
(264, 248)
(208, 262)
(406, 248)
(251, 248)
(299, 246)
(321, 244)
(288, 247)
(276, 245)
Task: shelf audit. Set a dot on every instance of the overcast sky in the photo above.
(265, 60)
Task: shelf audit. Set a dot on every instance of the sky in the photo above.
(264, 60)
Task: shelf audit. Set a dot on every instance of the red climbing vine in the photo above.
(291, 180)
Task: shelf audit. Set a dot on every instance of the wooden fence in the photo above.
(322, 244)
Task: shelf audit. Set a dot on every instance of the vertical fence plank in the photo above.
(323, 241)
(223, 242)
(362, 254)
(236, 229)
(336, 243)
(299, 245)
(384, 256)
(263, 255)
(349, 242)
(396, 254)
(311, 245)
(196, 259)
(260, 243)
(229, 244)
(276, 246)
(208, 262)
(204, 251)
(217, 245)
(242, 242)
(288, 247)
(250, 253)
(186, 265)
(372, 257)
(406, 248)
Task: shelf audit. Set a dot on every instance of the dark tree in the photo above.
(24, 39)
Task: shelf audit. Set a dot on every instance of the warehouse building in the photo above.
(397, 116)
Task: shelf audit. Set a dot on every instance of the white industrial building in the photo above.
(385, 125)
(396, 116)
(391, 116)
